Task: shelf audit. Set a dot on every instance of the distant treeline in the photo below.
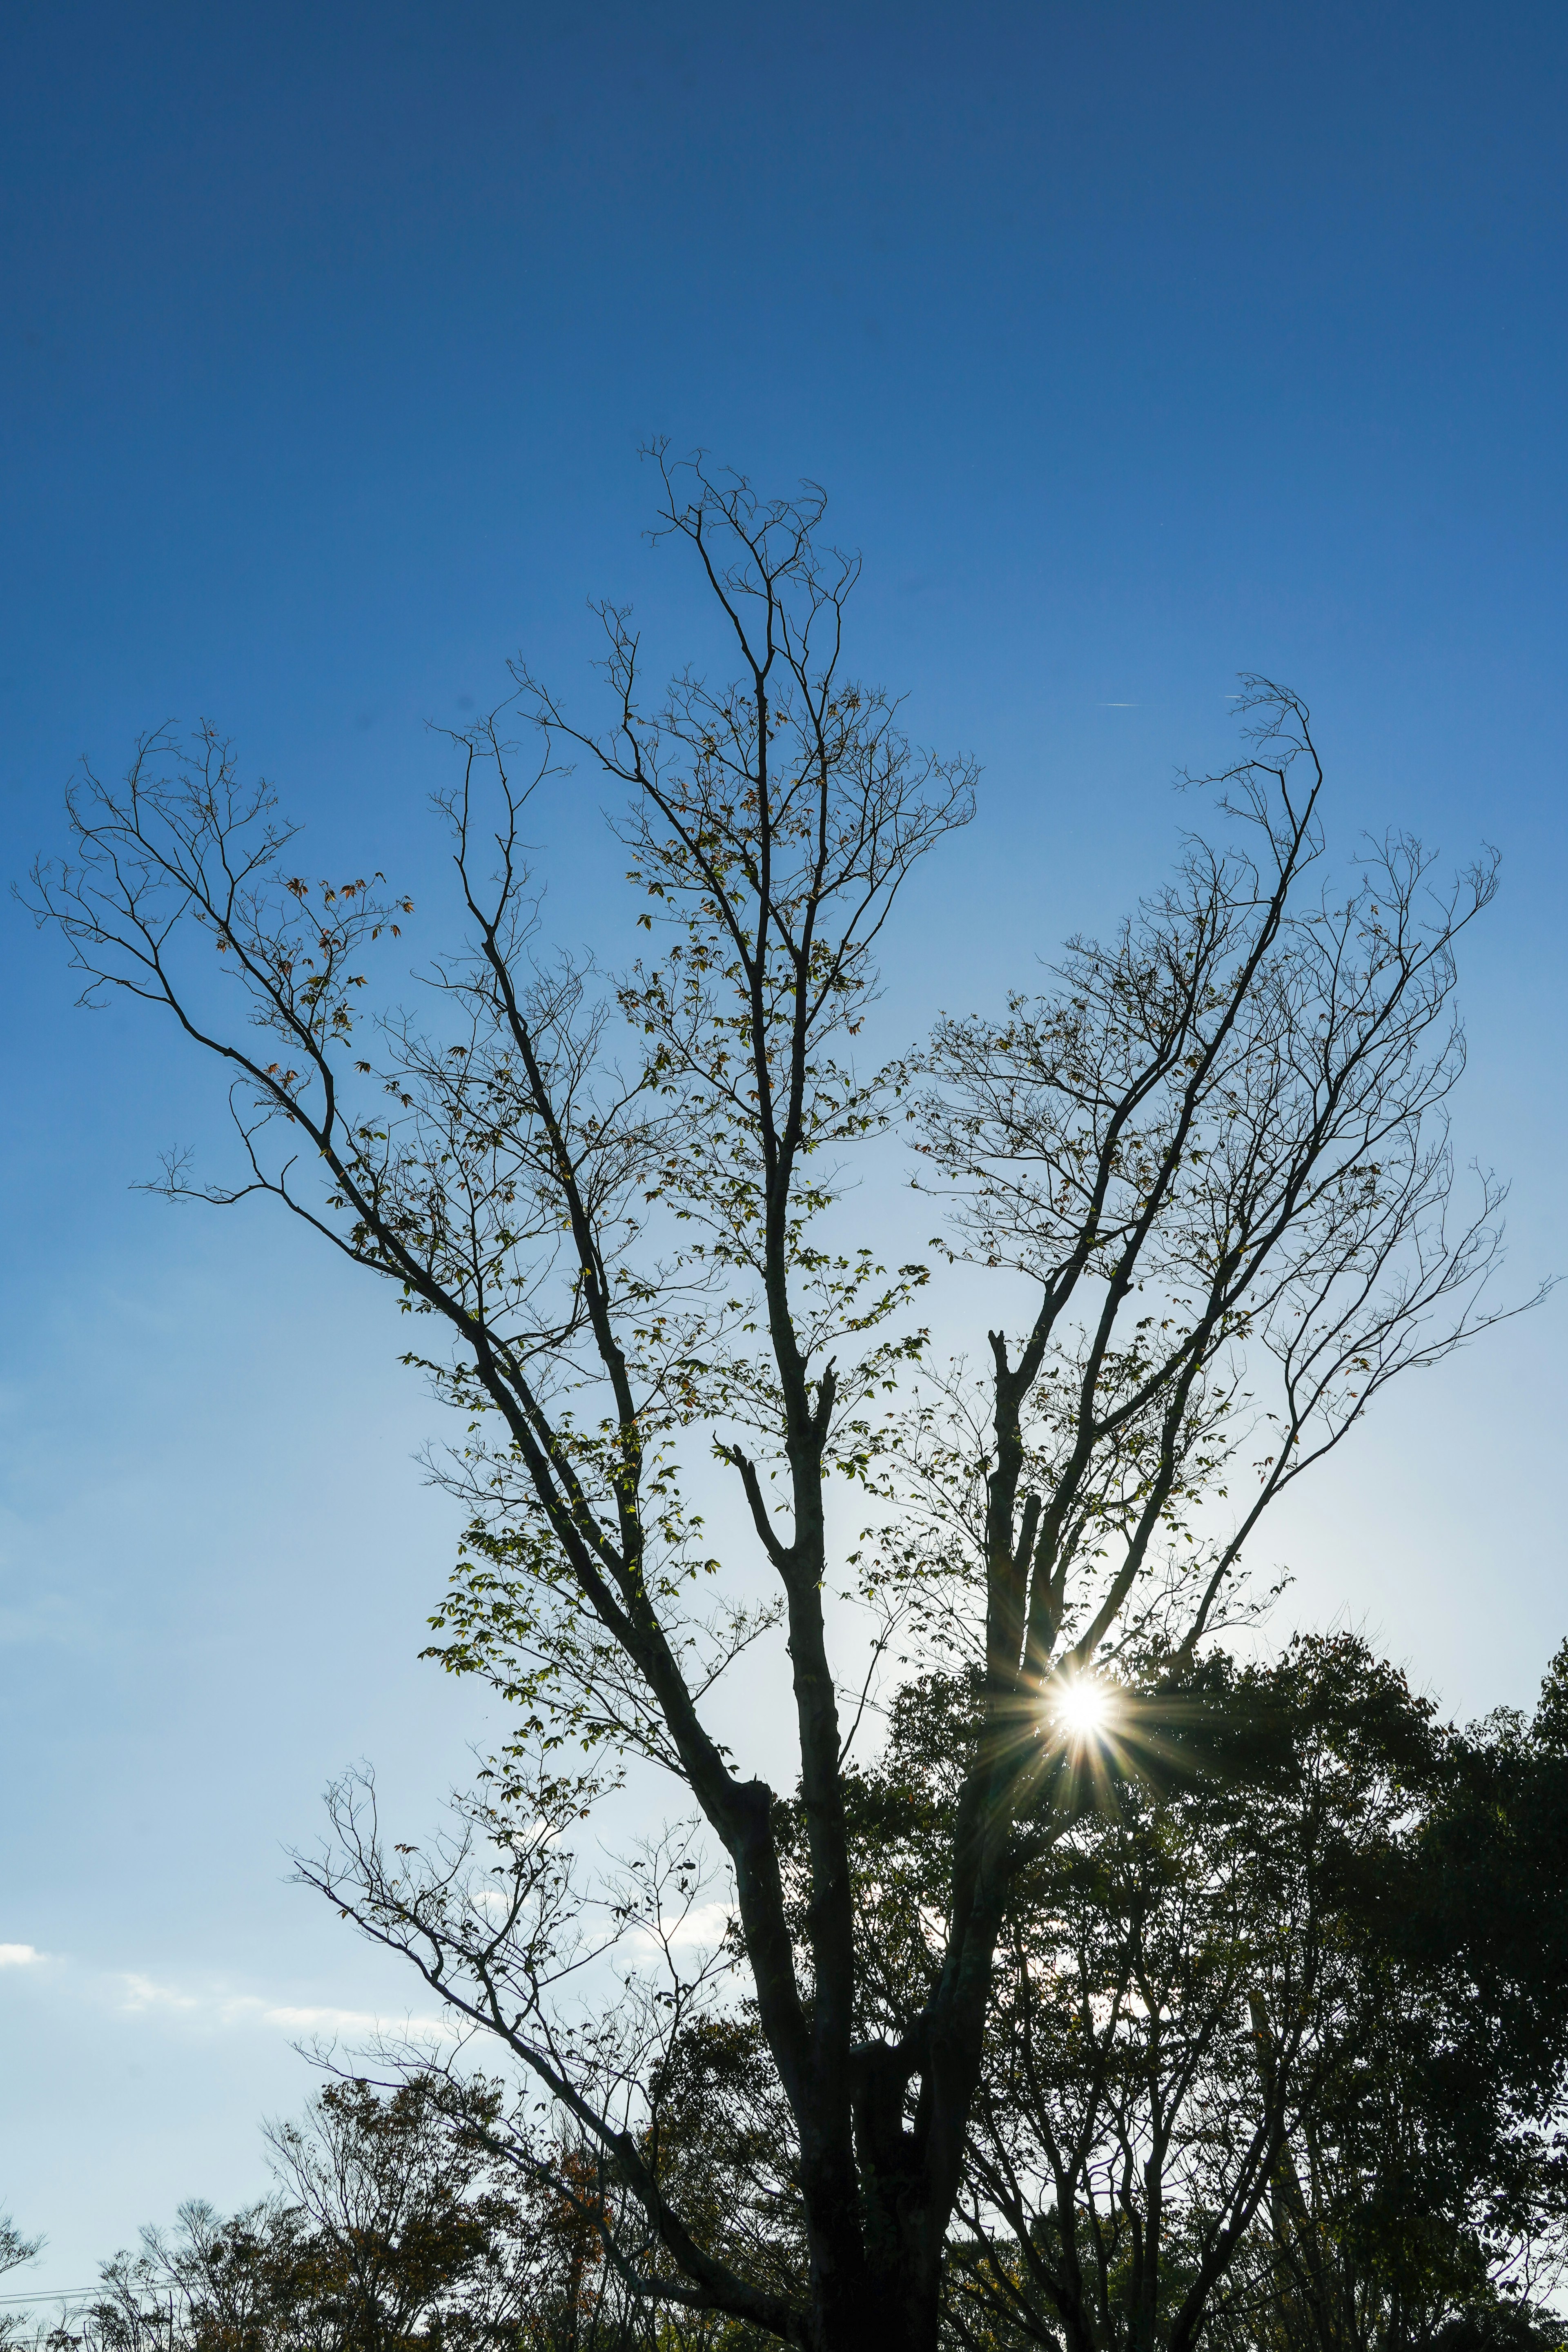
(1279, 2060)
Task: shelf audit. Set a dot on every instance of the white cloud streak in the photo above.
(132, 1994)
(142, 1996)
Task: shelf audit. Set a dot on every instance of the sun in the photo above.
(1083, 1706)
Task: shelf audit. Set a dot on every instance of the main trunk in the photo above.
(877, 2254)
(895, 2309)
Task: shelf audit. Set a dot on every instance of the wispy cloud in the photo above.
(130, 1993)
(142, 1995)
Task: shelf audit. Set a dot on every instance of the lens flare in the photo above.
(1083, 1707)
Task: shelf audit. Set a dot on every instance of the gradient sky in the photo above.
(1137, 346)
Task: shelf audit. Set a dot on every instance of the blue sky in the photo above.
(1136, 346)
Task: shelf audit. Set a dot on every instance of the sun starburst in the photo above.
(1083, 1708)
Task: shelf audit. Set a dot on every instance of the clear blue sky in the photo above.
(1137, 346)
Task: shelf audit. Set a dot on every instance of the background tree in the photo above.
(1255, 2071)
(15, 2250)
(1173, 1982)
(406, 2230)
(1215, 1154)
(214, 2283)
(394, 2225)
(1426, 2196)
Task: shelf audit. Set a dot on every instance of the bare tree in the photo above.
(1214, 1153)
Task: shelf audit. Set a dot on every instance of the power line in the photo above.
(51, 2294)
